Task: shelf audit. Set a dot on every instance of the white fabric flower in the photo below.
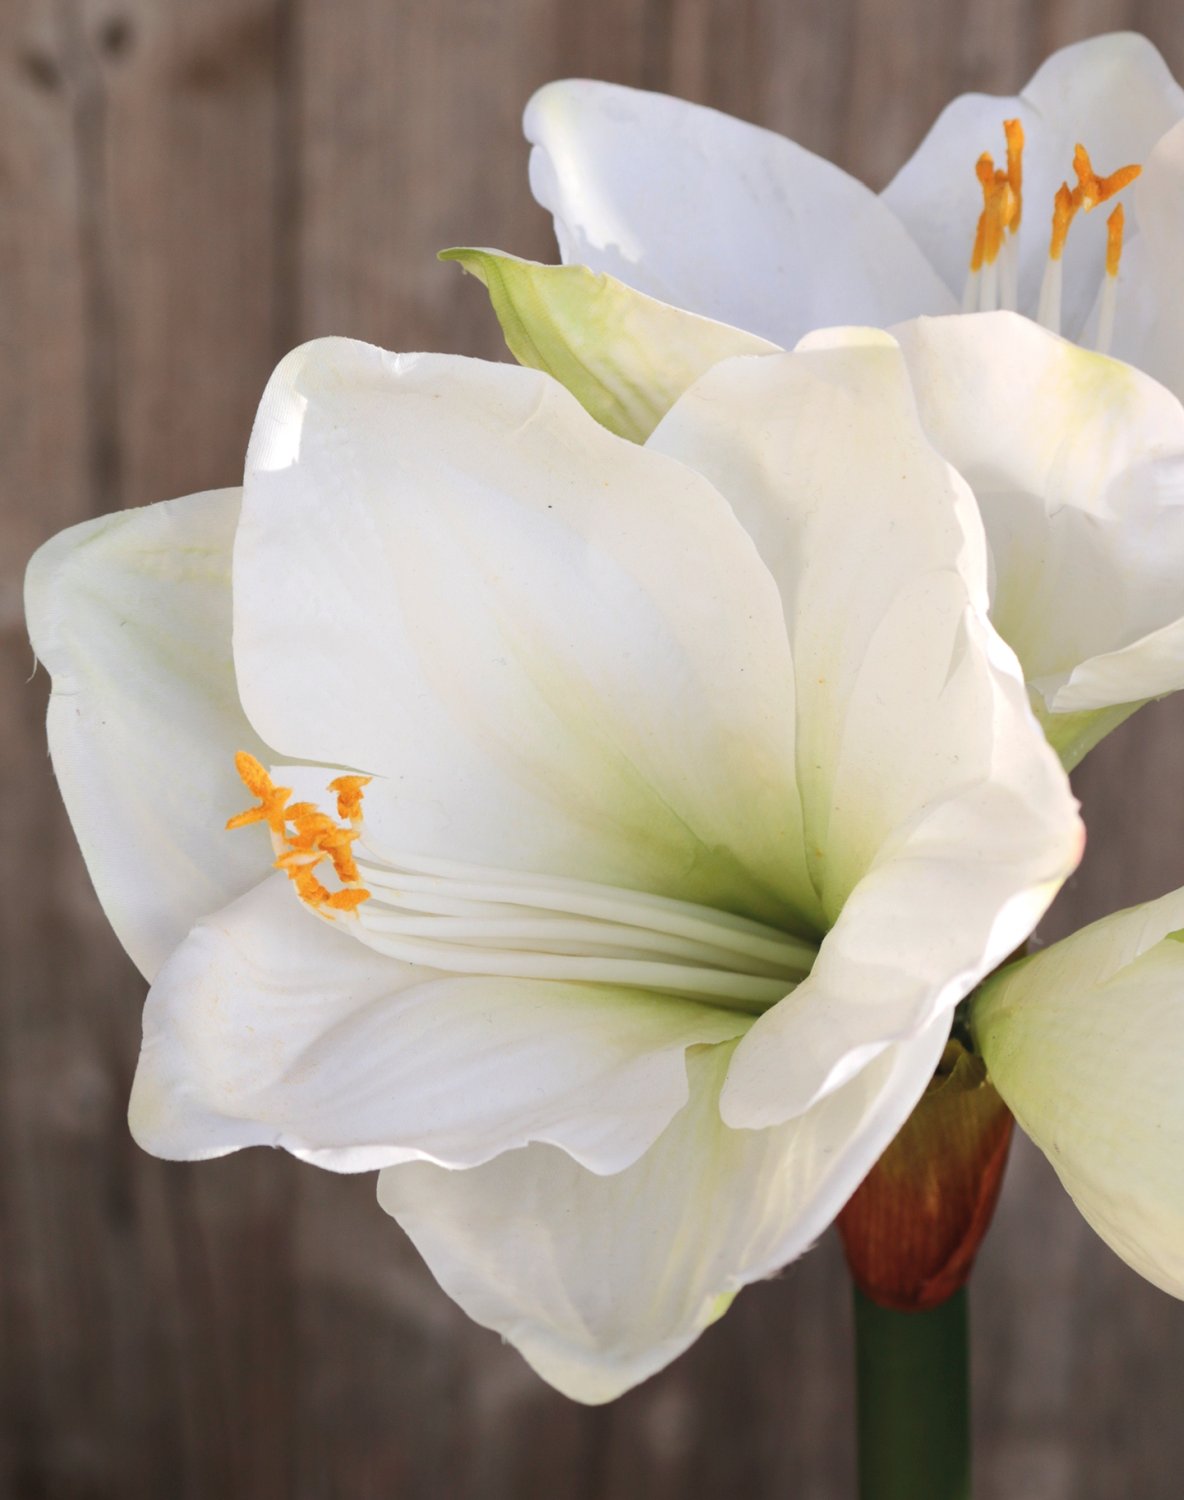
(1085, 1042)
(696, 802)
(739, 224)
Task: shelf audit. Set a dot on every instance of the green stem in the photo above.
(914, 1401)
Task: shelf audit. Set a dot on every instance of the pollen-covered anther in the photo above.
(349, 795)
(1002, 190)
(273, 799)
(1092, 189)
(314, 836)
(992, 278)
(1064, 208)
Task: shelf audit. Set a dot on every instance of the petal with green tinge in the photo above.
(624, 356)
(1085, 1042)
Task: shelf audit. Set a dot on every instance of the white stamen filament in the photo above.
(989, 287)
(970, 292)
(469, 919)
(1009, 273)
(1106, 312)
(1048, 311)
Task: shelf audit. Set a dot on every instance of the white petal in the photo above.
(559, 651)
(719, 216)
(601, 1281)
(1112, 93)
(937, 822)
(1077, 464)
(130, 614)
(1085, 1042)
(270, 1027)
(1149, 326)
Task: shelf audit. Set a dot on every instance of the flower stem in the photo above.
(913, 1401)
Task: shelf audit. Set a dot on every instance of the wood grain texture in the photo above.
(188, 187)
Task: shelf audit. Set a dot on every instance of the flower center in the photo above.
(471, 919)
(994, 261)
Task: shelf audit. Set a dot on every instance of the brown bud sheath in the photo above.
(913, 1228)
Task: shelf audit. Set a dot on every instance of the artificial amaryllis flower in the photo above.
(1008, 203)
(1085, 1042)
(641, 813)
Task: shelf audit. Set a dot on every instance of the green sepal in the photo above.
(1074, 735)
(625, 357)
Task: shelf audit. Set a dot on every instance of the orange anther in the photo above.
(309, 888)
(1092, 189)
(997, 213)
(317, 836)
(312, 830)
(1087, 181)
(1064, 206)
(1114, 227)
(348, 900)
(349, 794)
(999, 209)
(299, 810)
(272, 799)
(1014, 131)
(254, 774)
(1089, 192)
(300, 859)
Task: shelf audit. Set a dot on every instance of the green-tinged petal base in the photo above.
(625, 357)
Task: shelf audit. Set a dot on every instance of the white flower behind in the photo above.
(734, 222)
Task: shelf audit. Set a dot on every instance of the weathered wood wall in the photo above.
(188, 187)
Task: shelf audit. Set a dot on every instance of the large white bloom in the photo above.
(1085, 1041)
(697, 801)
(738, 224)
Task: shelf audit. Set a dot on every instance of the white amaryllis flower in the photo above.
(652, 813)
(1085, 1042)
(741, 225)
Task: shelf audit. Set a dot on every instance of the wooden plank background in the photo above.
(187, 188)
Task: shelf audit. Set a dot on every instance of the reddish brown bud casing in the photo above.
(913, 1228)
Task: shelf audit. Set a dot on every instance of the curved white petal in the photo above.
(601, 1281)
(130, 614)
(559, 651)
(937, 821)
(1077, 464)
(1085, 1042)
(269, 1027)
(1112, 93)
(719, 216)
(1149, 327)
